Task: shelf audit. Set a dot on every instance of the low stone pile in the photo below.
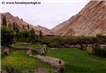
(52, 61)
(42, 50)
(6, 51)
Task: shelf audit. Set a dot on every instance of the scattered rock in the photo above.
(29, 52)
(6, 51)
(42, 50)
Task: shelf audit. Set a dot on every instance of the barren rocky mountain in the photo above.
(10, 19)
(90, 21)
(45, 30)
(59, 29)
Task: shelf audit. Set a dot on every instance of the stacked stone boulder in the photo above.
(42, 50)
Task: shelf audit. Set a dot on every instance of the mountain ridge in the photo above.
(90, 21)
(10, 19)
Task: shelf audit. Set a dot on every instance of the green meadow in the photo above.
(79, 61)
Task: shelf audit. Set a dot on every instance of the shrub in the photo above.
(99, 50)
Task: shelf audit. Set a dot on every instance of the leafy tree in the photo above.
(4, 23)
(24, 35)
(40, 34)
(7, 36)
(28, 26)
(14, 27)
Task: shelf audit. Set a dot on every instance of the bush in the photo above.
(98, 50)
(102, 38)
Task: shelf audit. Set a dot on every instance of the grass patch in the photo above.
(33, 46)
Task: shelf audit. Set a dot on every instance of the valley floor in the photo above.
(78, 61)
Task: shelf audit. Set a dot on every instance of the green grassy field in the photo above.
(79, 61)
(17, 57)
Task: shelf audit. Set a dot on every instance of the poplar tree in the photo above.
(40, 34)
(28, 26)
(14, 27)
(17, 29)
(9, 25)
(4, 23)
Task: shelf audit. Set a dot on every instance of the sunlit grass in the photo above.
(18, 58)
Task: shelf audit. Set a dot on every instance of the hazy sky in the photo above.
(48, 14)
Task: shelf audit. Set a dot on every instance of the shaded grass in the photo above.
(79, 61)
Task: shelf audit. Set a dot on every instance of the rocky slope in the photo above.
(44, 29)
(10, 19)
(90, 21)
(59, 29)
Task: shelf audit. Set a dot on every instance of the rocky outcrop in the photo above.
(90, 21)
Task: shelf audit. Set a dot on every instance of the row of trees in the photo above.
(65, 41)
(11, 34)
